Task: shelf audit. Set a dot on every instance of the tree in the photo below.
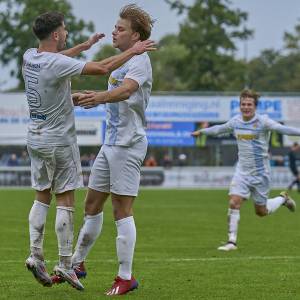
(278, 70)
(209, 33)
(16, 17)
(274, 72)
(167, 63)
(292, 41)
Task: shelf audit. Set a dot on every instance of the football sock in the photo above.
(89, 232)
(125, 242)
(64, 231)
(233, 223)
(37, 221)
(274, 203)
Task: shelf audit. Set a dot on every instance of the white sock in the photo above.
(274, 203)
(233, 223)
(125, 246)
(64, 231)
(88, 234)
(37, 221)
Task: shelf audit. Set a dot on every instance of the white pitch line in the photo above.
(195, 259)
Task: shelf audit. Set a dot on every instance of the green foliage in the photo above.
(94, 82)
(209, 33)
(16, 19)
(292, 41)
(274, 72)
(167, 63)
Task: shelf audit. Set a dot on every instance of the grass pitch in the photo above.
(178, 232)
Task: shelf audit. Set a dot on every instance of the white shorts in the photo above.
(117, 169)
(257, 187)
(57, 167)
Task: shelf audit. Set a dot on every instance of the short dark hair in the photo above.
(46, 23)
(247, 93)
(141, 21)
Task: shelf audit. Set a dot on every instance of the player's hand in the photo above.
(91, 99)
(93, 40)
(143, 46)
(196, 133)
(75, 98)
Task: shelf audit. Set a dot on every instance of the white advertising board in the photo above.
(14, 114)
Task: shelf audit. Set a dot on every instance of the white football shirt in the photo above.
(125, 120)
(253, 141)
(48, 90)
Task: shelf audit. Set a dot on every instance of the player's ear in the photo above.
(136, 36)
(55, 35)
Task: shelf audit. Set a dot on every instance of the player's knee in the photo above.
(261, 212)
(121, 212)
(235, 203)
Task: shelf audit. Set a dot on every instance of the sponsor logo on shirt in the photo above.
(246, 136)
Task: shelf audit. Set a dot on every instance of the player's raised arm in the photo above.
(76, 50)
(107, 65)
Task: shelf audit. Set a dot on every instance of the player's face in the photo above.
(62, 34)
(248, 108)
(123, 36)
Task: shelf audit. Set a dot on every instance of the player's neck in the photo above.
(46, 46)
(248, 118)
(123, 49)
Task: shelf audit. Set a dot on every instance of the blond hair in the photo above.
(141, 21)
(247, 93)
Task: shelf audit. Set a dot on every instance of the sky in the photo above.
(268, 18)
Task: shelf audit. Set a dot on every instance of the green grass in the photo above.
(178, 232)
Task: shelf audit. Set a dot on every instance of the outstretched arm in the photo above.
(214, 130)
(105, 66)
(76, 50)
(275, 126)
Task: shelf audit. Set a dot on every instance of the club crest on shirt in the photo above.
(112, 80)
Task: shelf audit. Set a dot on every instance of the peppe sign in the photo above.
(271, 107)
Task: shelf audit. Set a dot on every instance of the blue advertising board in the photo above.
(170, 133)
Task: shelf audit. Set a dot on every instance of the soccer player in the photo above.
(293, 166)
(252, 174)
(51, 140)
(116, 171)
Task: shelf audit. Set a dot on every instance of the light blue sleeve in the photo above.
(219, 129)
(138, 69)
(272, 125)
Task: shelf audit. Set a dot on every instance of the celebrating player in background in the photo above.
(116, 170)
(252, 174)
(51, 140)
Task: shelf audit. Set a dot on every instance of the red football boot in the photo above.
(122, 286)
